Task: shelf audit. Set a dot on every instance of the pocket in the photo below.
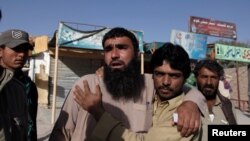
(142, 117)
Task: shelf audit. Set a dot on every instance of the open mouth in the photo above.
(208, 90)
(165, 90)
(116, 64)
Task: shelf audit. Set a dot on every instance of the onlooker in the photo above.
(219, 109)
(126, 94)
(225, 87)
(14, 53)
(170, 65)
(13, 108)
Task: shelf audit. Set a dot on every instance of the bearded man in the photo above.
(126, 94)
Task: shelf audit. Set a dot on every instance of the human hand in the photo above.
(188, 118)
(92, 102)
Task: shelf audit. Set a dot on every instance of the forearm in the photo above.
(194, 95)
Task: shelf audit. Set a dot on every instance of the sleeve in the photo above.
(114, 130)
(5, 76)
(33, 110)
(65, 124)
(194, 95)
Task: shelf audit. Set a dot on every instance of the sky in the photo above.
(155, 18)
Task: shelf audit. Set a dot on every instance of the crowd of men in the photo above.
(117, 97)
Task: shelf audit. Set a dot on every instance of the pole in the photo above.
(237, 75)
(55, 82)
(142, 63)
(238, 87)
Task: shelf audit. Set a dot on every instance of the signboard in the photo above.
(70, 37)
(194, 44)
(233, 53)
(212, 27)
(151, 47)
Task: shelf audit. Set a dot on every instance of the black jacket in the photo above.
(13, 108)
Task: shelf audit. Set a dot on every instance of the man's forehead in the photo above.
(205, 70)
(115, 44)
(116, 40)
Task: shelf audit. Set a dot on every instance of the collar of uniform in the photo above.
(172, 103)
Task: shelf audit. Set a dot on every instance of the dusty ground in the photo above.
(44, 122)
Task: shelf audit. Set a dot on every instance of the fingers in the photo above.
(78, 97)
(187, 128)
(197, 124)
(184, 126)
(180, 125)
(188, 119)
(86, 87)
(87, 90)
(83, 95)
(193, 127)
(78, 93)
(98, 90)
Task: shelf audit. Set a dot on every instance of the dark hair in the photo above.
(122, 32)
(175, 55)
(212, 65)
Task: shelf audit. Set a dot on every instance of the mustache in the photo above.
(165, 88)
(208, 86)
(116, 61)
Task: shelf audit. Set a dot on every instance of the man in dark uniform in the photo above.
(14, 47)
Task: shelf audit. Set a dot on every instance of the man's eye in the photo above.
(107, 49)
(158, 73)
(121, 46)
(174, 76)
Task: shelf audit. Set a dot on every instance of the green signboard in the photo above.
(233, 53)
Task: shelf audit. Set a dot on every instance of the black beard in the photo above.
(127, 83)
(210, 97)
(207, 94)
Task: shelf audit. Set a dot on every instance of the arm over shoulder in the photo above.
(194, 95)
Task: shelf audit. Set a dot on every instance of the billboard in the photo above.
(70, 37)
(212, 27)
(151, 47)
(233, 53)
(194, 44)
